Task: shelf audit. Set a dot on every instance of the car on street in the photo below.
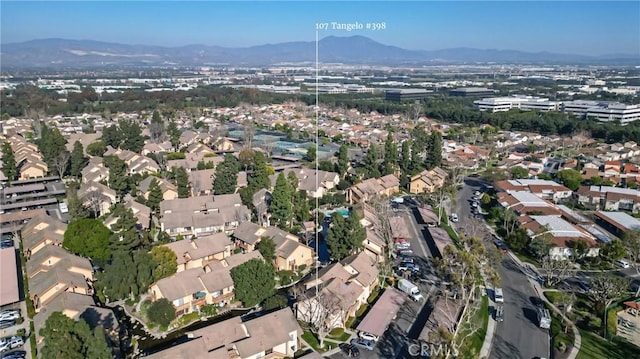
(403, 245)
(406, 252)
(453, 217)
(501, 245)
(477, 193)
(406, 259)
(499, 314)
(408, 266)
(10, 314)
(363, 343)
(351, 350)
(18, 354)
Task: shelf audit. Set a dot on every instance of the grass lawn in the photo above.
(526, 259)
(594, 347)
(338, 334)
(312, 340)
(471, 347)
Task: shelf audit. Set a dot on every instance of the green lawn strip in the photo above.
(595, 347)
(473, 344)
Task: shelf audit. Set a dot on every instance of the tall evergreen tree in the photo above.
(51, 144)
(301, 206)
(226, 176)
(390, 156)
(73, 339)
(416, 163)
(343, 160)
(370, 162)
(182, 182)
(174, 134)
(434, 151)
(156, 127)
(293, 181)
(118, 180)
(126, 235)
(78, 161)
(311, 154)
(281, 208)
(132, 136)
(155, 196)
(112, 136)
(259, 176)
(9, 166)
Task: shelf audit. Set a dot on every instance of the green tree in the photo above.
(118, 179)
(112, 136)
(156, 127)
(277, 301)
(77, 210)
(345, 236)
(416, 163)
(254, 281)
(127, 275)
(226, 176)
(434, 150)
(161, 312)
(614, 250)
(9, 167)
(519, 172)
(155, 196)
(51, 144)
(132, 136)
(267, 247)
(97, 148)
(301, 206)
(370, 162)
(88, 238)
(281, 202)
(71, 339)
(78, 161)
(293, 181)
(390, 155)
(126, 235)
(174, 134)
(259, 176)
(165, 261)
(182, 182)
(342, 165)
(311, 155)
(518, 239)
(570, 178)
(579, 248)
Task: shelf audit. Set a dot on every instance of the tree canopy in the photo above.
(165, 262)
(570, 178)
(345, 236)
(72, 339)
(254, 281)
(161, 312)
(88, 238)
(9, 167)
(281, 202)
(78, 161)
(126, 235)
(226, 175)
(267, 248)
(128, 274)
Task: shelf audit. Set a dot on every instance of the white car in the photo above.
(9, 343)
(9, 314)
(454, 217)
(367, 336)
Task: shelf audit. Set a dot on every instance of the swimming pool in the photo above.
(343, 211)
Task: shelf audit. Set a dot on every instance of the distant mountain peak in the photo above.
(351, 49)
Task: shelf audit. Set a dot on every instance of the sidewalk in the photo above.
(577, 341)
(491, 331)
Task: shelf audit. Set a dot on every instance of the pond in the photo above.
(148, 344)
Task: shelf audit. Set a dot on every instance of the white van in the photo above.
(622, 263)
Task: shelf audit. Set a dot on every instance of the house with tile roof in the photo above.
(372, 188)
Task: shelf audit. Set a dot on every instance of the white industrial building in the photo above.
(603, 111)
(498, 104)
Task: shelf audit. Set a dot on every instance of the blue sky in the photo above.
(579, 27)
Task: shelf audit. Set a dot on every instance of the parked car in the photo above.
(454, 217)
(403, 245)
(351, 350)
(477, 193)
(406, 259)
(499, 314)
(363, 343)
(367, 336)
(10, 314)
(18, 354)
(406, 252)
(408, 266)
(6, 243)
(9, 343)
(4, 324)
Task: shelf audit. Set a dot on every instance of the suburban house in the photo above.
(95, 171)
(374, 244)
(190, 162)
(140, 211)
(136, 164)
(203, 215)
(373, 187)
(222, 144)
(169, 190)
(97, 197)
(290, 253)
(561, 233)
(307, 181)
(273, 335)
(201, 181)
(28, 159)
(343, 287)
(151, 147)
(428, 181)
(52, 271)
(545, 189)
(609, 198)
(526, 202)
(32, 168)
(198, 252)
(192, 288)
(40, 231)
(617, 223)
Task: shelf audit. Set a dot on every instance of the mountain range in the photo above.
(63, 53)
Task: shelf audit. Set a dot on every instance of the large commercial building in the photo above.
(472, 92)
(498, 104)
(398, 95)
(603, 111)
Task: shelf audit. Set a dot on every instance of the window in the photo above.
(268, 351)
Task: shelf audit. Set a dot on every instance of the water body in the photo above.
(148, 344)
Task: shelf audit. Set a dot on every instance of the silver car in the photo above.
(363, 343)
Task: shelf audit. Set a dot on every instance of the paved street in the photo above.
(412, 316)
(519, 335)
